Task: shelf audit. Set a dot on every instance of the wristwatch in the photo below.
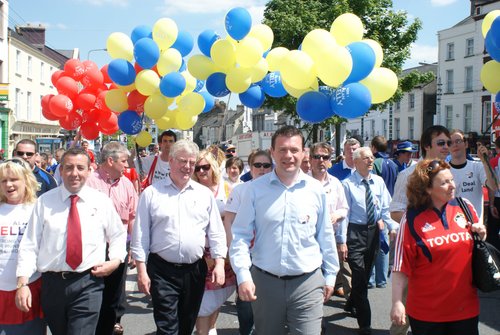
(19, 285)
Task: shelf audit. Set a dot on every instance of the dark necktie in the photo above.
(74, 239)
(370, 207)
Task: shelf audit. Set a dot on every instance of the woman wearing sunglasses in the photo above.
(207, 173)
(18, 188)
(434, 255)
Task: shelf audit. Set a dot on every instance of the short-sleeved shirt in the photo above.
(469, 181)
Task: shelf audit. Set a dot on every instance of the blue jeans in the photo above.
(381, 268)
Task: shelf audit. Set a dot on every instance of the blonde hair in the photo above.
(214, 166)
(21, 170)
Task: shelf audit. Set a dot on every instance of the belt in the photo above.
(175, 265)
(362, 226)
(280, 277)
(69, 274)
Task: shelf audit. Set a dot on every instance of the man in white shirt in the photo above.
(159, 162)
(175, 218)
(66, 241)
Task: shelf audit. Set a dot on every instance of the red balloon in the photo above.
(85, 100)
(74, 68)
(104, 71)
(100, 102)
(89, 65)
(136, 101)
(91, 115)
(56, 75)
(109, 131)
(137, 68)
(48, 114)
(92, 79)
(89, 130)
(67, 86)
(72, 121)
(107, 119)
(46, 100)
(60, 105)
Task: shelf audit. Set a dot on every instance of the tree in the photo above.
(291, 20)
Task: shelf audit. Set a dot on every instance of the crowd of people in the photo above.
(284, 233)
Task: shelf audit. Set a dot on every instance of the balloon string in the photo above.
(224, 120)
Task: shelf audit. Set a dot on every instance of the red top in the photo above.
(131, 174)
(91, 155)
(437, 260)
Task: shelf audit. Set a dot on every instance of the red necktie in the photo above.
(74, 240)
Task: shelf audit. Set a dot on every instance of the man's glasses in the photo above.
(22, 153)
(323, 157)
(205, 167)
(262, 165)
(458, 141)
(441, 143)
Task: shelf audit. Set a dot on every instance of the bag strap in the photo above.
(468, 216)
(152, 170)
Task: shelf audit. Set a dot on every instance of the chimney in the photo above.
(34, 34)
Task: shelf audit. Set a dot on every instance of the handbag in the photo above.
(485, 259)
(149, 178)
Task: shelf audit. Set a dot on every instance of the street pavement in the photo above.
(138, 319)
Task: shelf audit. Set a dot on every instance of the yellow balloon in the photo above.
(275, 57)
(143, 139)
(316, 41)
(297, 93)
(156, 106)
(223, 53)
(259, 70)
(116, 100)
(192, 103)
(489, 76)
(128, 88)
(334, 66)
(170, 61)
(165, 122)
(379, 53)
(382, 84)
(347, 28)
(190, 82)
(298, 70)
(488, 20)
(238, 79)
(147, 82)
(165, 33)
(264, 34)
(200, 66)
(248, 52)
(119, 45)
(185, 121)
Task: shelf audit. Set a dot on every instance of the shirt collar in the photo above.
(345, 166)
(105, 176)
(85, 193)
(359, 179)
(169, 183)
(300, 178)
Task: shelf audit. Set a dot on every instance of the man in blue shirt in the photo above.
(290, 270)
(344, 169)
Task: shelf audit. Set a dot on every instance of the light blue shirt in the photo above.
(355, 194)
(293, 233)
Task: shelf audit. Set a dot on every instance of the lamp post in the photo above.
(93, 50)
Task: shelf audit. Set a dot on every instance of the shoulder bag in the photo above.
(149, 178)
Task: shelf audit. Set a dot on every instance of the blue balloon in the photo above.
(183, 66)
(216, 85)
(146, 53)
(363, 61)
(351, 101)
(273, 86)
(238, 23)
(491, 46)
(327, 90)
(314, 107)
(253, 97)
(130, 122)
(172, 84)
(121, 72)
(184, 43)
(495, 31)
(141, 32)
(209, 101)
(206, 39)
(199, 85)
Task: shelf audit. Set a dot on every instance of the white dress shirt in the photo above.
(399, 200)
(43, 246)
(173, 223)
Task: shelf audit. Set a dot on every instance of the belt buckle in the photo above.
(64, 274)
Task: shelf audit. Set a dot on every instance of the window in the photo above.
(397, 129)
(384, 128)
(372, 127)
(29, 106)
(469, 47)
(411, 101)
(30, 66)
(450, 51)
(398, 105)
(448, 110)
(468, 78)
(449, 81)
(467, 118)
(18, 61)
(18, 102)
(486, 115)
(411, 128)
(42, 73)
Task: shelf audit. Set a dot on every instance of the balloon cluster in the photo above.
(80, 103)
(490, 70)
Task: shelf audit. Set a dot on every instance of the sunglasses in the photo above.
(441, 143)
(205, 167)
(17, 161)
(262, 165)
(232, 151)
(323, 157)
(433, 166)
(22, 153)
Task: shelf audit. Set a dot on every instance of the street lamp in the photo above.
(93, 50)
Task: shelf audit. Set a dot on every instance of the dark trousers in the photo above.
(176, 293)
(113, 299)
(461, 327)
(71, 303)
(245, 316)
(363, 244)
(493, 226)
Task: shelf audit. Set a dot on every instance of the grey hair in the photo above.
(351, 142)
(357, 153)
(184, 145)
(114, 150)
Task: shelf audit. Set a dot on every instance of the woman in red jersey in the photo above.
(433, 257)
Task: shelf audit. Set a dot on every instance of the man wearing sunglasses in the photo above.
(26, 149)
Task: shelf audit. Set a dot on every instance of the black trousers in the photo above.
(461, 327)
(363, 243)
(176, 292)
(493, 226)
(113, 299)
(71, 303)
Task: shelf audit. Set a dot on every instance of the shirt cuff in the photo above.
(243, 276)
